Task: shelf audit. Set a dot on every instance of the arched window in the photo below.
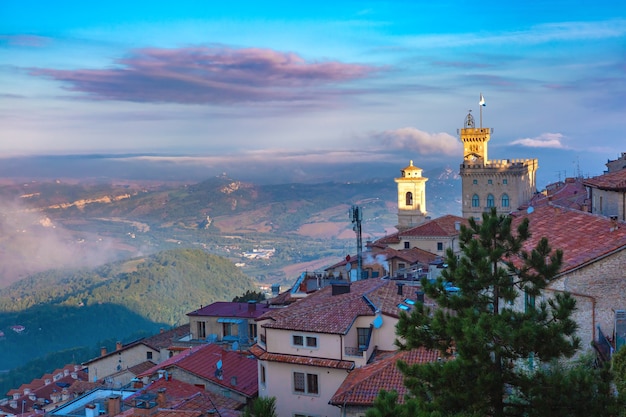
(505, 200)
(490, 201)
(409, 198)
(475, 201)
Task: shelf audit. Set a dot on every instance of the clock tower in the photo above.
(505, 184)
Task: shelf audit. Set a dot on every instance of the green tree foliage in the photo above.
(250, 296)
(261, 407)
(492, 351)
(619, 370)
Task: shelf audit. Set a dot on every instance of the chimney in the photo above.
(66, 372)
(114, 404)
(161, 399)
(118, 346)
(251, 306)
(340, 288)
(400, 288)
(275, 290)
(91, 410)
(103, 351)
(419, 294)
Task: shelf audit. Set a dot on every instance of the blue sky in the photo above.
(317, 82)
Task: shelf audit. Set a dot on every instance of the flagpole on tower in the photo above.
(482, 104)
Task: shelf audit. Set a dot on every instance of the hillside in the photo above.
(67, 309)
(82, 223)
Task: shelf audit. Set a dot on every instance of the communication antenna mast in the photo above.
(356, 217)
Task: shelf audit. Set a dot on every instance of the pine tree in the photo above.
(492, 350)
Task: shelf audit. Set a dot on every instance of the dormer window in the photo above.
(304, 341)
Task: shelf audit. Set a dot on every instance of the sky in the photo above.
(314, 83)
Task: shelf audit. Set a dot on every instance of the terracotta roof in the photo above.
(362, 385)
(157, 342)
(164, 339)
(412, 255)
(183, 397)
(583, 237)
(263, 355)
(318, 312)
(571, 193)
(141, 367)
(202, 361)
(614, 181)
(231, 309)
(441, 226)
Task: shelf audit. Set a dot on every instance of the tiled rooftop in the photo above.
(614, 181)
(231, 309)
(411, 256)
(322, 312)
(583, 237)
(261, 354)
(202, 361)
(444, 226)
(571, 194)
(362, 385)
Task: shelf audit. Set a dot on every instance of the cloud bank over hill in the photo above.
(30, 242)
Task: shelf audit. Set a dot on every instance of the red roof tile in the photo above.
(231, 309)
(614, 181)
(362, 385)
(571, 193)
(582, 236)
(441, 226)
(263, 355)
(202, 361)
(318, 312)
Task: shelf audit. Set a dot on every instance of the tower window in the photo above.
(475, 182)
(475, 201)
(409, 198)
(505, 200)
(490, 200)
(505, 181)
(489, 181)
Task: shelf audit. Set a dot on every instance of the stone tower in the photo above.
(504, 184)
(411, 197)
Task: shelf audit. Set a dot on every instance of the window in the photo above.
(363, 335)
(227, 329)
(401, 265)
(263, 338)
(308, 341)
(407, 245)
(529, 302)
(505, 181)
(475, 201)
(409, 198)
(439, 246)
(505, 200)
(149, 355)
(201, 330)
(490, 201)
(489, 182)
(305, 383)
(252, 330)
(262, 374)
(475, 182)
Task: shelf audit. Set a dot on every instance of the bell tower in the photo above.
(411, 197)
(503, 184)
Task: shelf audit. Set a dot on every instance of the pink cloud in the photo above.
(207, 75)
(424, 143)
(545, 140)
(25, 40)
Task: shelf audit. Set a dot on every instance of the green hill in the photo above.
(68, 309)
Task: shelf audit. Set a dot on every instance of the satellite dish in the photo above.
(235, 346)
(378, 321)
(530, 209)
(348, 266)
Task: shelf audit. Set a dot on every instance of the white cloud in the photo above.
(412, 139)
(545, 140)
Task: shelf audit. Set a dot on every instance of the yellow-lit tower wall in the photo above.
(411, 197)
(506, 184)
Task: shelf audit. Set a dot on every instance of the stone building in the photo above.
(505, 184)
(411, 197)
